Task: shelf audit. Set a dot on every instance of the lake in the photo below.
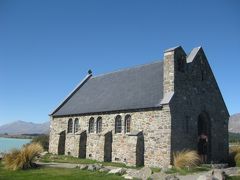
(7, 144)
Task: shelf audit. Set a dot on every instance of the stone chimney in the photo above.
(174, 62)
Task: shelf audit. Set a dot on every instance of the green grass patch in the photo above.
(74, 160)
(233, 178)
(54, 173)
(185, 171)
(156, 170)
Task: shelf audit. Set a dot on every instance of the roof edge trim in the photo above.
(172, 49)
(71, 93)
(111, 112)
(193, 54)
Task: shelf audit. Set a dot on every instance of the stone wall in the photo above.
(196, 93)
(154, 125)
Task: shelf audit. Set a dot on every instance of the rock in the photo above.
(233, 171)
(43, 153)
(98, 166)
(144, 173)
(213, 175)
(104, 169)
(219, 166)
(119, 171)
(165, 169)
(204, 177)
(83, 166)
(158, 176)
(126, 176)
(219, 175)
(91, 167)
(171, 177)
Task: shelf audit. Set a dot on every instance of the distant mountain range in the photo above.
(22, 127)
(234, 123)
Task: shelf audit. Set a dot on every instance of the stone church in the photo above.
(142, 115)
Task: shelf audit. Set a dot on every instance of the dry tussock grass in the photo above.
(235, 153)
(186, 158)
(234, 149)
(22, 159)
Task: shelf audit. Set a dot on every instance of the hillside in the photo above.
(234, 123)
(22, 127)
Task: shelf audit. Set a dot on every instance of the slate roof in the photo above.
(134, 88)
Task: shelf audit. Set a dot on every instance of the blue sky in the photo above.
(47, 47)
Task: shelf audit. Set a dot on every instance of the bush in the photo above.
(22, 159)
(186, 158)
(234, 156)
(43, 140)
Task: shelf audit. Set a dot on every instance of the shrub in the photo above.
(234, 156)
(43, 140)
(22, 159)
(185, 158)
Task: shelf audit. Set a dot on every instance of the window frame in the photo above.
(76, 125)
(70, 126)
(118, 124)
(127, 123)
(91, 125)
(99, 125)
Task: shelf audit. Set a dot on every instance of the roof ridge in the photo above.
(128, 68)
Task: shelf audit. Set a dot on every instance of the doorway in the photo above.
(61, 143)
(204, 127)
(108, 147)
(83, 145)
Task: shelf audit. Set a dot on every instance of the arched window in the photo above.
(91, 125)
(118, 124)
(70, 126)
(99, 125)
(127, 123)
(76, 125)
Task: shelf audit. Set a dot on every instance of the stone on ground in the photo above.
(119, 171)
(126, 176)
(98, 166)
(143, 173)
(83, 166)
(104, 169)
(171, 177)
(91, 167)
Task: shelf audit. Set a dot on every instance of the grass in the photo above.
(185, 158)
(23, 158)
(54, 173)
(234, 155)
(75, 160)
(186, 171)
(156, 170)
(233, 178)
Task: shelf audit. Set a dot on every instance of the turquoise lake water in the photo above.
(7, 144)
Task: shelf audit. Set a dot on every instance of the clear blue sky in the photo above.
(46, 47)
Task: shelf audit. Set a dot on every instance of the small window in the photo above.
(70, 126)
(91, 125)
(118, 124)
(76, 125)
(99, 125)
(127, 123)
